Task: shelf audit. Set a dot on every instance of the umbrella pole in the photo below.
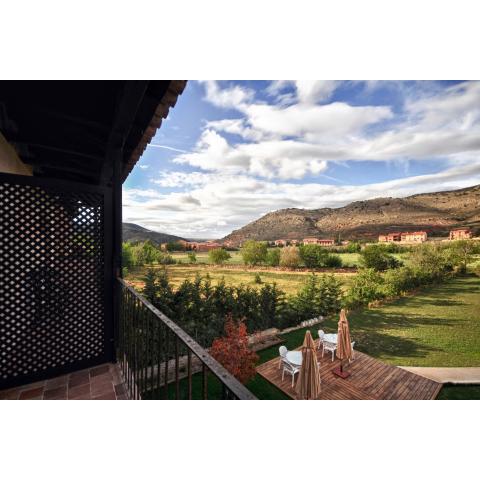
(339, 372)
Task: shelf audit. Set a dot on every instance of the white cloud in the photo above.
(306, 91)
(143, 167)
(299, 139)
(230, 97)
(224, 202)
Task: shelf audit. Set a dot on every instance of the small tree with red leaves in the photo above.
(233, 352)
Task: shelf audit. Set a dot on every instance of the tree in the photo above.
(312, 256)
(127, 256)
(290, 257)
(254, 252)
(192, 257)
(375, 256)
(233, 352)
(175, 247)
(157, 290)
(430, 263)
(148, 253)
(366, 287)
(354, 247)
(273, 257)
(461, 253)
(332, 261)
(321, 295)
(218, 256)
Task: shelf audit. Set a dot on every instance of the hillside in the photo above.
(136, 233)
(434, 212)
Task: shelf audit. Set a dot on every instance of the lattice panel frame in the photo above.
(54, 311)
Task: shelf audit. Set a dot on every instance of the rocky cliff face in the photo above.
(434, 212)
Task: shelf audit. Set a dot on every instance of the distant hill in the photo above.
(136, 233)
(434, 212)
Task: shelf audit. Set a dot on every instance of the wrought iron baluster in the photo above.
(189, 373)
(166, 363)
(177, 385)
(204, 381)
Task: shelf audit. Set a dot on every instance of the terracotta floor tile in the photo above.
(102, 382)
(106, 396)
(31, 393)
(10, 394)
(56, 393)
(76, 380)
(78, 391)
(95, 392)
(99, 370)
(57, 382)
(81, 397)
(104, 377)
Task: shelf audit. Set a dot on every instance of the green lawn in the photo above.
(459, 392)
(439, 327)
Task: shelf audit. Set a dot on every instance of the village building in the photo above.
(460, 234)
(280, 242)
(324, 242)
(204, 246)
(414, 237)
(390, 237)
(403, 237)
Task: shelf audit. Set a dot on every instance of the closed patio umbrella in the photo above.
(344, 344)
(308, 383)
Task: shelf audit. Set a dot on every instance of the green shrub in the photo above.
(313, 256)
(273, 257)
(192, 257)
(254, 253)
(321, 295)
(375, 256)
(218, 256)
(257, 278)
(367, 286)
(399, 281)
(333, 261)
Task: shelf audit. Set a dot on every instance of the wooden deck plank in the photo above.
(370, 379)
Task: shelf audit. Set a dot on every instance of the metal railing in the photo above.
(160, 360)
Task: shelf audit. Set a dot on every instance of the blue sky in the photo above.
(231, 151)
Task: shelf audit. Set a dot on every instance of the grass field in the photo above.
(439, 327)
(289, 282)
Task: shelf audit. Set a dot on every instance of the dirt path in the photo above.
(467, 375)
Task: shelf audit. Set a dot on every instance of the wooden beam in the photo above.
(132, 97)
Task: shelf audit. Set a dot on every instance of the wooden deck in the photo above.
(370, 379)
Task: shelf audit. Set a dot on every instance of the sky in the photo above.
(232, 151)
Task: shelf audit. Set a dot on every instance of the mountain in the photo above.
(435, 213)
(136, 233)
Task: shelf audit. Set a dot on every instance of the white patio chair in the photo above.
(290, 369)
(283, 354)
(329, 347)
(321, 334)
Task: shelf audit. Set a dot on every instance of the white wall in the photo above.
(9, 160)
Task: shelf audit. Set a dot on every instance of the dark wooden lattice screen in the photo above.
(55, 314)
